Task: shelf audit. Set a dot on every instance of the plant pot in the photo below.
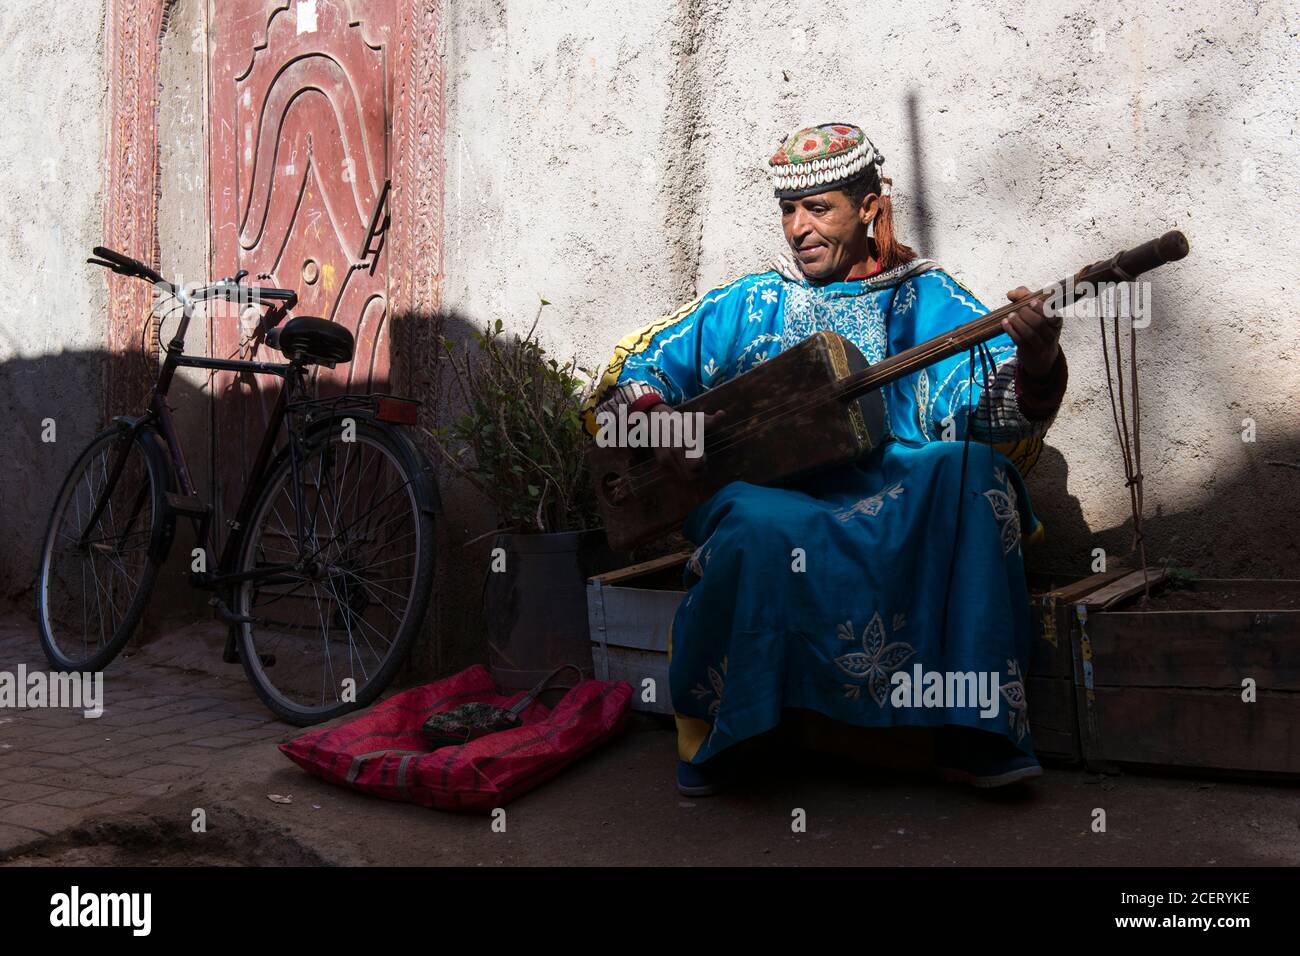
(535, 608)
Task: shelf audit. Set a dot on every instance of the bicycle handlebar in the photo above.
(226, 288)
(125, 265)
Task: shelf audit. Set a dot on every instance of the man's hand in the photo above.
(673, 460)
(1036, 334)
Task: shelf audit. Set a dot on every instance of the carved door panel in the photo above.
(299, 132)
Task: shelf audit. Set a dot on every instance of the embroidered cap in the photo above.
(818, 158)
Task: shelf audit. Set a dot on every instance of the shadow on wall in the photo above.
(1248, 526)
(456, 612)
(61, 396)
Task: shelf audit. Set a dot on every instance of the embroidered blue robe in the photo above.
(816, 596)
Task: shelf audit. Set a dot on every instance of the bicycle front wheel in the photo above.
(342, 565)
(107, 533)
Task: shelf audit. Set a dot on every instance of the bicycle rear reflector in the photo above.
(398, 410)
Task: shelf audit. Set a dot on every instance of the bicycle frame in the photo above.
(186, 501)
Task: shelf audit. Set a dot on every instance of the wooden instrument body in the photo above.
(783, 421)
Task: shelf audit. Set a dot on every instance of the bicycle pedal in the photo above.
(190, 505)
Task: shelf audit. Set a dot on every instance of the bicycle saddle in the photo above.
(319, 340)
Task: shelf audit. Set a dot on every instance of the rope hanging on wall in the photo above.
(1128, 429)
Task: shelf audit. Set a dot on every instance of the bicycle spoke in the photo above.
(367, 584)
(359, 557)
(91, 572)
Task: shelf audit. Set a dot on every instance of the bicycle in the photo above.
(325, 576)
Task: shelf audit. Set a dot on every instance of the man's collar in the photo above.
(789, 269)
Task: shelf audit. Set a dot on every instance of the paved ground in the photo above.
(184, 732)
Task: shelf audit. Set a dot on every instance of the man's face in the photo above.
(827, 233)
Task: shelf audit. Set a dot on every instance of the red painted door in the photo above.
(299, 131)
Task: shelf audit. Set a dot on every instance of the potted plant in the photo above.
(520, 441)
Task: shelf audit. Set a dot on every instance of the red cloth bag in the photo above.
(383, 752)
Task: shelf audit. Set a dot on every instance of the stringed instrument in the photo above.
(811, 407)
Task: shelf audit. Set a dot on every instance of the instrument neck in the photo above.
(965, 337)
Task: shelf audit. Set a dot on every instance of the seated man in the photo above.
(837, 593)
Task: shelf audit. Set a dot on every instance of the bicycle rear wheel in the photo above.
(95, 578)
(331, 627)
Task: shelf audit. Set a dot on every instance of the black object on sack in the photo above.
(460, 725)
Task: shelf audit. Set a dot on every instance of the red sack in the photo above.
(383, 752)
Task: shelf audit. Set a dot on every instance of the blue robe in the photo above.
(815, 596)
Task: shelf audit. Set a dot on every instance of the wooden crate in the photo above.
(629, 612)
(1050, 681)
(1164, 687)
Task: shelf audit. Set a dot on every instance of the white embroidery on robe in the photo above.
(700, 558)
(769, 296)
(649, 358)
(871, 506)
(859, 318)
(958, 293)
(875, 662)
(764, 344)
(923, 403)
(905, 299)
(1003, 503)
(717, 679)
(1013, 690)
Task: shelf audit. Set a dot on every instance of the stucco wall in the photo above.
(183, 256)
(52, 310)
(607, 156)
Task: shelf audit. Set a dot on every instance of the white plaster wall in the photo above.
(608, 156)
(52, 308)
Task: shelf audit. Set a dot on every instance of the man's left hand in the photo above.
(1036, 334)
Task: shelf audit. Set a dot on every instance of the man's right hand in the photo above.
(673, 460)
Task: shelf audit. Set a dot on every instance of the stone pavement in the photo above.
(162, 727)
(182, 731)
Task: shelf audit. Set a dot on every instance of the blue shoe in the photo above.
(694, 780)
(983, 759)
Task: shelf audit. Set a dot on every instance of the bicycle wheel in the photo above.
(327, 636)
(95, 578)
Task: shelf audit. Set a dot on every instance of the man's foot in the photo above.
(983, 759)
(697, 780)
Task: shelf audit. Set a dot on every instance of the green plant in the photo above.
(520, 439)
